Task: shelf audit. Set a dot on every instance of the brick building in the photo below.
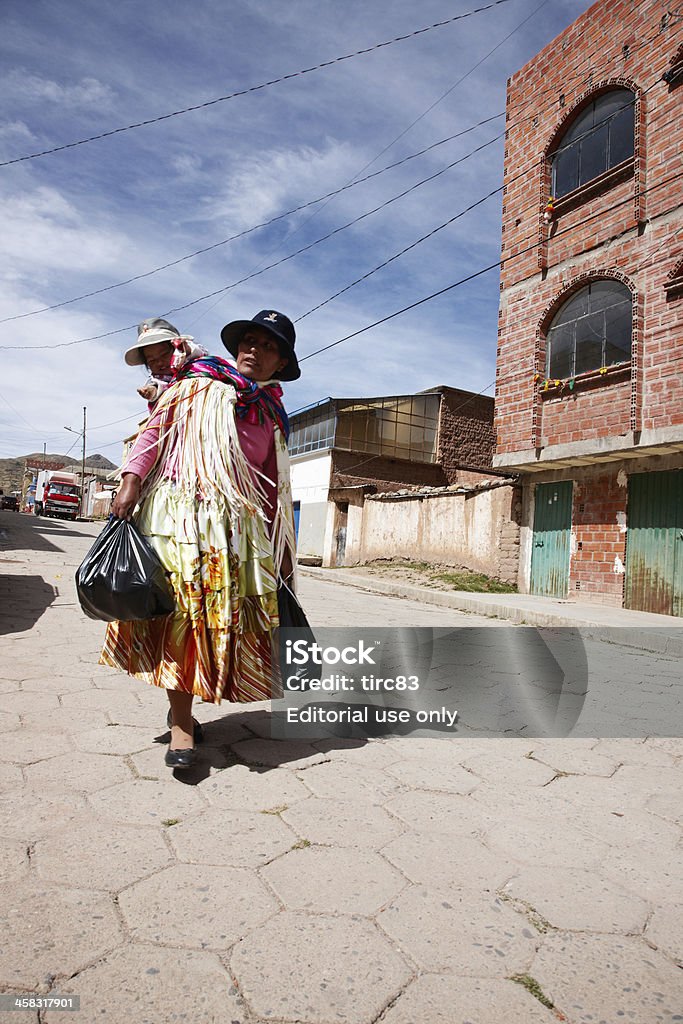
(589, 393)
(345, 448)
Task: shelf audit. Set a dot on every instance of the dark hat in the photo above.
(277, 324)
(150, 332)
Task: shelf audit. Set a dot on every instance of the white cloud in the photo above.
(43, 230)
(15, 131)
(187, 165)
(34, 88)
(263, 185)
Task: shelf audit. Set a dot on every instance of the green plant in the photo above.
(532, 986)
(475, 582)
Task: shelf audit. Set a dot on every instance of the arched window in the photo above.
(591, 330)
(601, 137)
(673, 286)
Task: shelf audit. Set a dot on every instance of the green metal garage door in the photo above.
(654, 546)
(552, 528)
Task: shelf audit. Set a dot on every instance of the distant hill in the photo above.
(12, 470)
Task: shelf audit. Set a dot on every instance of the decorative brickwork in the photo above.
(546, 423)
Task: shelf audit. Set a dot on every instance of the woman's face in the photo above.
(258, 355)
(158, 358)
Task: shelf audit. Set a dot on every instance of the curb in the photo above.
(657, 639)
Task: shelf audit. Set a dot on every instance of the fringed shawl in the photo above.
(198, 447)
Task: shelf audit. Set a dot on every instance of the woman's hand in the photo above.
(127, 496)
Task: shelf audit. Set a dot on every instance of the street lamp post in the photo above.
(81, 433)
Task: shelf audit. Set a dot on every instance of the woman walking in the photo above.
(209, 477)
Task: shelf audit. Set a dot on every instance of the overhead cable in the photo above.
(282, 216)
(478, 273)
(396, 256)
(255, 88)
(121, 330)
(337, 230)
(255, 227)
(350, 184)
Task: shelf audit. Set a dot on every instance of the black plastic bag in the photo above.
(290, 612)
(292, 616)
(122, 578)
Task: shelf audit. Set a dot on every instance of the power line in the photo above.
(124, 419)
(122, 330)
(478, 394)
(17, 413)
(396, 256)
(406, 309)
(255, 88)
(478, 273)
(255, 227)
(444, 95)
(434, 231)
(273, 220)
(412, 124)
(425, 237)
(533, 99)
(277, 263)
(456, 284)
(458, 82)
(350, 184)
(337, 230)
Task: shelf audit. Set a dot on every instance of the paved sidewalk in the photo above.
(403, 881)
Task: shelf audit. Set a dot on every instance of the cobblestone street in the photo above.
(395, 881)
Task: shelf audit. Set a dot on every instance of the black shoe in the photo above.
(197, 731)
(181, 758)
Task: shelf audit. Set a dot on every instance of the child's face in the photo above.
(158, 358)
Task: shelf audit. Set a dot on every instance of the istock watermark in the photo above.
(507, 681)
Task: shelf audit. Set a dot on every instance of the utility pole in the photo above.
(83, 469)
(82, 502)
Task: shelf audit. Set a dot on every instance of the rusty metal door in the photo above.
(552, 529)
(654, 543)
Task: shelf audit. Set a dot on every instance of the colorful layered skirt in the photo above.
(218, 644)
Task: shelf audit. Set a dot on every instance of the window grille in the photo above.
(404, 427)
(601, 137)
(401, 426)
(590, 331)
(312, 431)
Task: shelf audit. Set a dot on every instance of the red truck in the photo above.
(57, 494)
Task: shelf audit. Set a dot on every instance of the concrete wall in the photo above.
(475, 529)
(310, 476)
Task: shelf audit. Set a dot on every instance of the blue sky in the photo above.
(97, 214)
